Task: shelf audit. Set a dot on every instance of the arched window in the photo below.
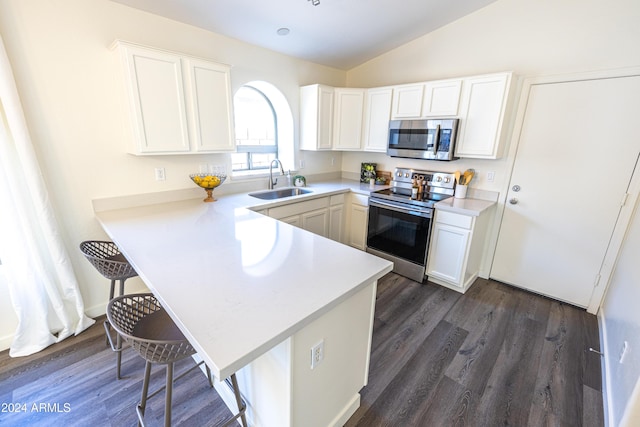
(256, 136)
(263, 128)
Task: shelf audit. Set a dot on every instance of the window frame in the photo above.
(249, 150)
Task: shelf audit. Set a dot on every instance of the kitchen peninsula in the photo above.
(255, 295)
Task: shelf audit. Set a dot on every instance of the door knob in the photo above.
(513, 201)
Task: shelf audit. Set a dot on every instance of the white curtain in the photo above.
(42, 284)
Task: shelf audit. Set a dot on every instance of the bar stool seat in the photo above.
(107, 259)
(147, 327)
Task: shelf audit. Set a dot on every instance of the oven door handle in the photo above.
(417, 212)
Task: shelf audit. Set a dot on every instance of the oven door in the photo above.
(400, 232)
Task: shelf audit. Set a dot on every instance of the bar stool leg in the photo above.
(112, 289)
(145, 390)
(236, 392)
(168, 392)
(118, 347)
(118, 355)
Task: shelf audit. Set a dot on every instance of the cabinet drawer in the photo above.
(456, 220)
(359, 199)
(298, 208)
(337, 199)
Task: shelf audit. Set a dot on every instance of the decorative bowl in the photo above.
(208, 181)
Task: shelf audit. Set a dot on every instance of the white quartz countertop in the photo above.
(471, 207)
(236, 282)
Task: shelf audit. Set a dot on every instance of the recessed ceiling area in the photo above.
(337, 33)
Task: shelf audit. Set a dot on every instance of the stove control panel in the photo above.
(404, 177)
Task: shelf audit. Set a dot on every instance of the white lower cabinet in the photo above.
(358, 219)
(447, 262)
(323, 216)
(316, 222)
(456, 248)
(336, 218)
(293, 220)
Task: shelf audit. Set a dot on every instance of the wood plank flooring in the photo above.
(494, 356)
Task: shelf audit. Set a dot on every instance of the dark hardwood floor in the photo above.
(494, 356)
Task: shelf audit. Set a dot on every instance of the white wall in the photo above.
(70, 84)
(620, 319)
(533, 38)
(530, 38)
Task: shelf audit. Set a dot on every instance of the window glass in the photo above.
(256, 130)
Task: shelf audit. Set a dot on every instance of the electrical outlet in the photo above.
(333, 161)
(160, 174)
(317, 354)
(491, 175)
(301, 163)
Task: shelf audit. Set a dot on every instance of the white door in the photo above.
(577, 147)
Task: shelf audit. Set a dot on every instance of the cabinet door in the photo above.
(156, 94)
(293, 220)
(359, 217)
(407, 101)
(441, 98)
(448, 253)
(377, 113)
(347, 123)
(316, 117)
(336, 222)
(209, 94)
(316, 222)
(482, 112)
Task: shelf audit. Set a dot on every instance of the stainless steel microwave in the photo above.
(430, 139)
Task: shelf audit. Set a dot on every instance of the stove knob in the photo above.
(438, 179)
(447, 179)
(406, 175)
(399, 174)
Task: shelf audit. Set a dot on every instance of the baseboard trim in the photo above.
(5, 342)
(347, 412)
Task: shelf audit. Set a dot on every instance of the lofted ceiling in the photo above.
(336, 33)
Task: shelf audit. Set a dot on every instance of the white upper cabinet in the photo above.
(209, 90)
(407, 101)
(179, 104)
(428, 99)
(348, 115)
(316, 117)
(377, 112)
(156, 95)
(349, 119)
(482, 110)
(441, 98)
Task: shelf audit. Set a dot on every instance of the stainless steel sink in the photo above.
(279, 193)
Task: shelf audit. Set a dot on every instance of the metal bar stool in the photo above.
(147, 327)
(107, 259)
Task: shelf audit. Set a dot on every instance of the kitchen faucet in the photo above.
(272, 182)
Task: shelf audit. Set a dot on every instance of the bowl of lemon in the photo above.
(208, 181)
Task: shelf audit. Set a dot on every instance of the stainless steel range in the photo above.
(400, 218)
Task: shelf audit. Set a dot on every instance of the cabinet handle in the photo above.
(513, 201)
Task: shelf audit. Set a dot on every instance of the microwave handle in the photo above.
(436, 140)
